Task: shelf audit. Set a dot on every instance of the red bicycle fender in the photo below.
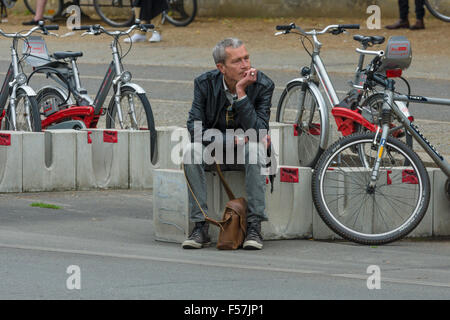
(75, 112)
(345, 118)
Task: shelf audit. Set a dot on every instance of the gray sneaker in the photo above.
(253, 240)
(199, 237)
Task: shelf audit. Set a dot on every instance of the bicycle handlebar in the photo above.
(40, 27)
(334, 28)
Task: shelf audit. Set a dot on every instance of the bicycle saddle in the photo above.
(369, 39)
(66, 54)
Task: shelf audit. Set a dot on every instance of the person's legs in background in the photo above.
(403, 6)
(420, 13)
(141, 35)
(40, 7)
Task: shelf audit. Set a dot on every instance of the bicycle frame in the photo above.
(91, 113)
(390, 107)
(414, 130)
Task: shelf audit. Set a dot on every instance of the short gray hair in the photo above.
(219, 53)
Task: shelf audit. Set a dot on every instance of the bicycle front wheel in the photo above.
(53, 8)
(439, 8)
(136, 115)
(116, 13)
(181, 12)
(359, 212)
(26, 115)
(299, 106)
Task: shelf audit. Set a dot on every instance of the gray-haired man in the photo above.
(234, 96)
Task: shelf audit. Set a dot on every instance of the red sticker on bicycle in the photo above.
(5, 139)
(110, 136)
(289, 175)
(409, 177)
(89, 139)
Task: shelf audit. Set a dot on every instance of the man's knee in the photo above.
(193, 153)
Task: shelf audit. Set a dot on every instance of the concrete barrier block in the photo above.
(170, 205)
(141, 167)
(10, 161)
(286, 141)
(289, 207)
(441, 205)
(102, 159)
(171, 142)
(425, 227)
(49, 160)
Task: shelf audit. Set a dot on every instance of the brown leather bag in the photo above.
(233, 226)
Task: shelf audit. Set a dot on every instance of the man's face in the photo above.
(236, 63)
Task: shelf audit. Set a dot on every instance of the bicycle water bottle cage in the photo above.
(398, 54)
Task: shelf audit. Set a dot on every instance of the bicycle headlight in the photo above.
(21, 78)
(125, 76)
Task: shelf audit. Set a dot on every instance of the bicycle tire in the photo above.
(56, 5)
(35, 120)
(435, 12)
(337, 214)
(310, 134)
(44, 97)
(147, 124)
(107, 15)
(177, 15)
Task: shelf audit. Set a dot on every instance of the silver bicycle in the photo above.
(129, 107)
(380, 193)
(303, 105)
(21, 114)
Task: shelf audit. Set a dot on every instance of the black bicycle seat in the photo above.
(66, 54)
(369, 39)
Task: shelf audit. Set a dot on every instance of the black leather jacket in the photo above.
(210, 99)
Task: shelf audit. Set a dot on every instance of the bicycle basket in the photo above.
(398, 54)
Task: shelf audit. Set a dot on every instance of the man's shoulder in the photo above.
(208, 76)
(265, 81)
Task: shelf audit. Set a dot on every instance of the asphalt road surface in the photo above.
(100, 245)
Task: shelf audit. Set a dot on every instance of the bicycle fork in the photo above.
(385, 121)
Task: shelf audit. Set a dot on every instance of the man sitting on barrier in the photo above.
(232, 97)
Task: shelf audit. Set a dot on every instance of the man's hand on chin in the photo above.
(249, 78)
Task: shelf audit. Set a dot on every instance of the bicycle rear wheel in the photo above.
(26, 114)
(439, 8)
(181, 12)
(136, 115)
(116, 13)
(362, 214)
(372, 109)
(53, 8)
(306, 119)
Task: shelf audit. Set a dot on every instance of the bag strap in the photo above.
(225, 184)
(217, 223)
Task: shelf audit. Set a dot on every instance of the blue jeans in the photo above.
(255, 181)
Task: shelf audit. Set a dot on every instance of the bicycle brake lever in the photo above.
(53, 34)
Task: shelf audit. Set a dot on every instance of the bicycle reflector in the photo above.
(394, 73)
